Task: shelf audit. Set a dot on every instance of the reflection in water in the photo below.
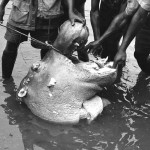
(123, 125)
(141, 90)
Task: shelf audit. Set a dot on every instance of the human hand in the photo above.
(73, 18)
(119, 59)
(94, 47)
(2, 12)
(98, 51)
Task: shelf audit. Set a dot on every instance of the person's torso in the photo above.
(147, 23)
(24, 12)
(77, 3)
(112, 4)
(49, 8)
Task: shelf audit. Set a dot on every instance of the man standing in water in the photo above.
(102, 13)
(142, 47)
(134, 16)
(37, 17)
(80, 10)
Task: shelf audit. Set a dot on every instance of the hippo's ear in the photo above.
(106, 102)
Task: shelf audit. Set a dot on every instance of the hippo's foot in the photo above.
(93, 107)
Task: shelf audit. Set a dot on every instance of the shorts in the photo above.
(42, 35)
(132, 6)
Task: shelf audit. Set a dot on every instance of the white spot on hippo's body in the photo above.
(22, 92)
(55, 112)
(52, 82)
(35, 66)
(50, 94)
(28, 80)
(31, 75)
(24, 82)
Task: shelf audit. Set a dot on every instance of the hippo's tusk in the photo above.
(22, 93)
(76, 44)
(35, 66)
(52, 82)
(106, 59)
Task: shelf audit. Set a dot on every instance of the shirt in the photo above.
(47, 8)
(24, 14)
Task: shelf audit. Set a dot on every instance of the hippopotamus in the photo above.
(61, 90)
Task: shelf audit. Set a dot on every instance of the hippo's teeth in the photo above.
(52, 82)
(105, 60)
(26, 81)
(35, 66)
(22, 93)
(76, 44)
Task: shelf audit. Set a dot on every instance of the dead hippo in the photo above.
(60, 91)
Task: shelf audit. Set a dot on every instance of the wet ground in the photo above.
(123, 125)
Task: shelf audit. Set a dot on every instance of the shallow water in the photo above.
(123, 125)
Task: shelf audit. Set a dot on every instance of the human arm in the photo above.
(95, 22)
(2, 9)
(72, 16)
(95, 18)
(117, 24)
(135, 25)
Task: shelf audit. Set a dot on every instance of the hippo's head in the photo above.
(71, 37)
(57, 90)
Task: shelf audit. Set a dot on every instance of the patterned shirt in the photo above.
(47, 8)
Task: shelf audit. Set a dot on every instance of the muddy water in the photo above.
(123, 125)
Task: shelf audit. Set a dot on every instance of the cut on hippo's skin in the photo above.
(60, 91)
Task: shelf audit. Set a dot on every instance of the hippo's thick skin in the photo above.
(57, 90)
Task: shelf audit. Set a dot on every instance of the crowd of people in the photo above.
(110, 20)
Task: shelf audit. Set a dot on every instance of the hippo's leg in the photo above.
(94, 107)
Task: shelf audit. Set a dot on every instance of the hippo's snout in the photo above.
(71, 37)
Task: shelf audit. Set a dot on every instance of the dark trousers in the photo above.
(108, 10)
(142, 49)
(13, 41)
